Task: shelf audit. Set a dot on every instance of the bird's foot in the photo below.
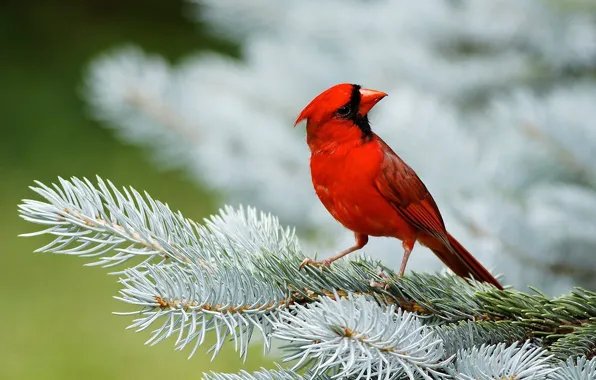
(383, 284)
(309, 261)
(383, 275)
(380, 285)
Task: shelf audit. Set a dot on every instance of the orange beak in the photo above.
(368, 99)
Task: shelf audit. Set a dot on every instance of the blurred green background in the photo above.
(57, 321)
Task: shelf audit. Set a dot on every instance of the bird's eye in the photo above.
(344, 110)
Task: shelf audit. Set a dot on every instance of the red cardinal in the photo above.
(368, 188)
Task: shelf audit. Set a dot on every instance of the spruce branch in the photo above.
(185, 294)
(503, 362)
(580, 369)
(580, 342)
(190, 303)
(110, 225)
(467, 334)
(239, 272)
(264, 374)
(546, 317)
(355, 337)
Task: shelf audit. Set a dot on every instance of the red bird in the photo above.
(368, 188)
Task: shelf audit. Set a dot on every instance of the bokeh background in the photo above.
(57, 323)
(492, 102)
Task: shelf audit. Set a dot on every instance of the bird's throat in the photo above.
(328, 136)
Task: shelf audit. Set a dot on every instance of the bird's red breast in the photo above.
(344, 179)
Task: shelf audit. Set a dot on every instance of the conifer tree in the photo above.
(238, 275)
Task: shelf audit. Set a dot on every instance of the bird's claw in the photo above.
(381, 274)
(379, 285)
(382, 285)
(309, 261)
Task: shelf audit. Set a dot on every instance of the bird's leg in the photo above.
(408, 246)
(361, 241)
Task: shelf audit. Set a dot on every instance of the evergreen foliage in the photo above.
(238, 274)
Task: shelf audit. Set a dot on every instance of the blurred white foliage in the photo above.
(482, 105)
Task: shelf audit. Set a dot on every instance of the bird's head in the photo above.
(340, 112)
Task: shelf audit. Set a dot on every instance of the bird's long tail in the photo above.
(460, 261)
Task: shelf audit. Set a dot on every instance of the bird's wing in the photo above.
(400, 185)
